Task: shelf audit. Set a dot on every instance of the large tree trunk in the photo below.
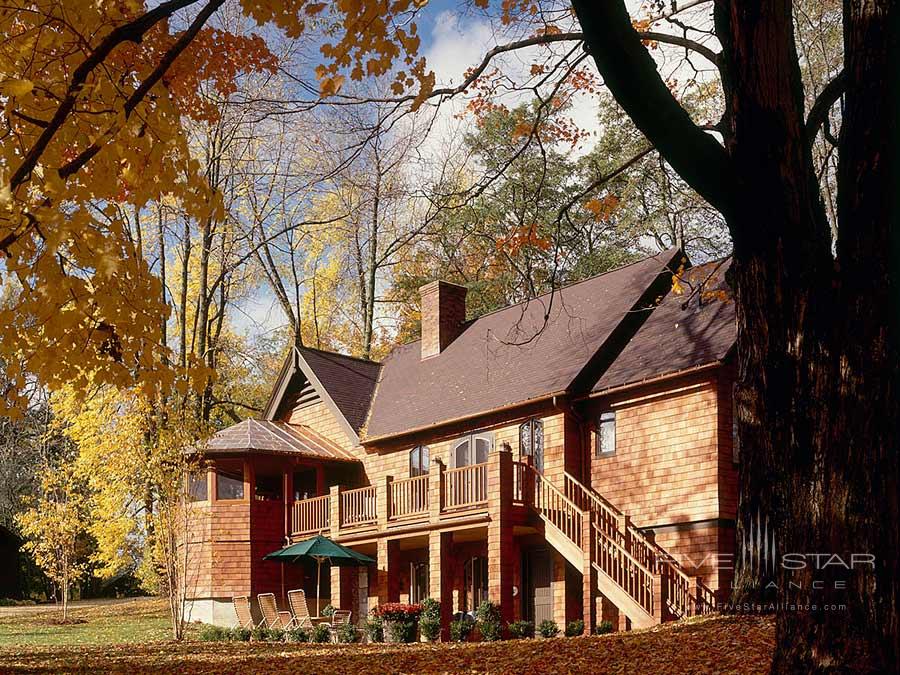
(818, 390)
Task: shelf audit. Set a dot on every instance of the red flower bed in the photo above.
(398, 611)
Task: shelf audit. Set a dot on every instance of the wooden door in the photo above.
(537, 574)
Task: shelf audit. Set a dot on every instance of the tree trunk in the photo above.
(818, 395)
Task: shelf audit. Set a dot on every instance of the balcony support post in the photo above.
(501, 558)
(334, 504)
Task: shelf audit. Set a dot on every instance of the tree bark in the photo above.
(818, 389)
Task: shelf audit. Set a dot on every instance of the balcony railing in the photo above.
(458, 490)
(309, 516)
(358, 507)
(409, 497)
(465, 486)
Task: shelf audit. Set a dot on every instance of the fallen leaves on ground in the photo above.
(709, 645)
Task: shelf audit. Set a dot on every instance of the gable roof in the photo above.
(525, 352)
(345, 383)
(277, 438)
(675, 337)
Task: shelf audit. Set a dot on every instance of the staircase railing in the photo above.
(683, 594)
(558, 509)
(627, 572)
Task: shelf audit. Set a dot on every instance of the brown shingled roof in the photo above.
(509, 356)
(349, 381)
(277, 438)
(676, 338)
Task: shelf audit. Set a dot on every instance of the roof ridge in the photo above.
(346, 356)
(471, 321)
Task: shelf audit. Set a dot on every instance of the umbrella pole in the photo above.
(318, 586)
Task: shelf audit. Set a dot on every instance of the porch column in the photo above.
(435, 489)
(501, 561)
(558, 588)
(440, 584)
(385, 590)
(589, 576)
(334, 516)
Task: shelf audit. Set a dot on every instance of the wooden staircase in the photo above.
(633, 572)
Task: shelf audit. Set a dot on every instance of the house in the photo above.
(569, 457)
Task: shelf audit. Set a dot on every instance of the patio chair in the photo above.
(341, 617)
(299, 609)
(272, 617)
(242, 611)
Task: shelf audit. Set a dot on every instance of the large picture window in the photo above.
(606, 434)
(419, 461)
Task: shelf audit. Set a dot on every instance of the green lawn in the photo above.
(137, 620)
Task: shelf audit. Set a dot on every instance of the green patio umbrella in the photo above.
(320, 549)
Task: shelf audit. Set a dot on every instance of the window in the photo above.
(418, 581)
(735, 439)
(475, 590)
(606, 434)
(197, 486)
(269, 488)
(418, 461)
(531, 442)
(472, 449)
(229, 482)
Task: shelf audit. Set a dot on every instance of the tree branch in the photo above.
(631, 75)
(818, 113)
(138, 95)
(133, 31)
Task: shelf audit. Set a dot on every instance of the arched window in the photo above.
(419, 461)
(472, 449)
(531, 442)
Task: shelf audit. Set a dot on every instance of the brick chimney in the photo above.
(443, 314)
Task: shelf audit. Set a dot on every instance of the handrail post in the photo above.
(334, 503)
(527, 482)
(435, 489)
(693, 602)
(623, 523)
(382, 501)
(657, 597)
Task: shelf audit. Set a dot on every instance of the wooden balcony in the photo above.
(393, 502)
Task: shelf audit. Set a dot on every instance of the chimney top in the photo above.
(443, 308)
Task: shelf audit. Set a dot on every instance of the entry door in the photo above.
(539, 593)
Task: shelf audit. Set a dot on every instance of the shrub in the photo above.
(548, 628)
(521, 629)
(604, 627)
(461, 629)
(488, 614)
(213, 633)
(260, 634)
(12, 602)
(574, 628)
(328, 611)
(238, 635)
(348, 633)
(321, 633)
(430, 619)
(375, 628)
(297, 635)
